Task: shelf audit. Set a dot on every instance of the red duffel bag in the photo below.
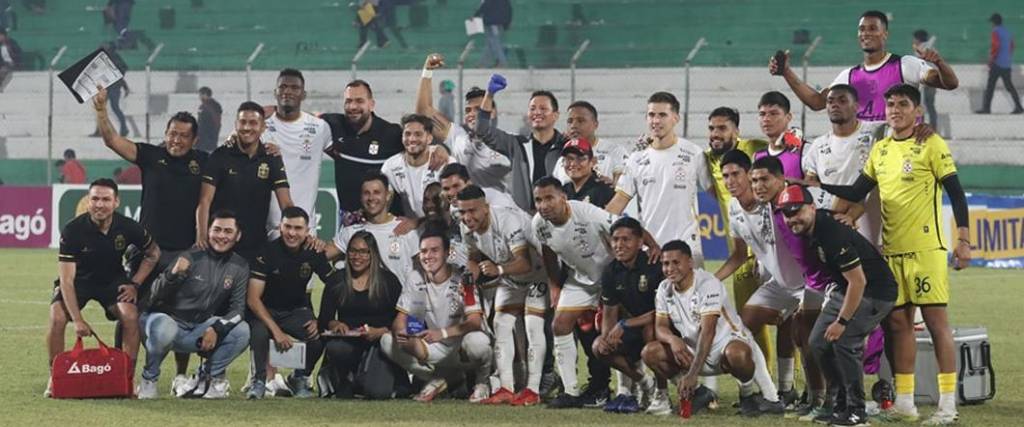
(88, 373)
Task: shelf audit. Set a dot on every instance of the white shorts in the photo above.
(812, 300)
(446, 353)
(577, 297)
(774, 296)
(713, 364)
(533, 296)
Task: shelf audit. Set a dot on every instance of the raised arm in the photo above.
(424, 98)
(814, 99)
(113, 140)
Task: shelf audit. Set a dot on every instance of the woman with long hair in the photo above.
(356, 313)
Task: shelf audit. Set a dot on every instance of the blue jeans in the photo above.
(164, 334)
(495, 48)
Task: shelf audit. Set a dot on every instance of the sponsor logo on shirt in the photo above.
(119, 242)
(263, 172)
(305, 271)
(228, 282)
(193, 167)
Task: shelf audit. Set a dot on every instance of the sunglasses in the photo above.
(790, 211)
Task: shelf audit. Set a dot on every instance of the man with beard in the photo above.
(408, 171)
(609, 156)
(301, 138)
(534, 155)
(197, 306)
(879, 71)
(241, 177)
(582, 181)
(91, 267)
(488, 168)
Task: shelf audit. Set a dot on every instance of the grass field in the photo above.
(982, 297)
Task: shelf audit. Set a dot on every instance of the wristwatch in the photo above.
(842, 321)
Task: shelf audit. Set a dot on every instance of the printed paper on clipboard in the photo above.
(95, 69)
(293, 358)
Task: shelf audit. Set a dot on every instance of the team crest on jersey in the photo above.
(228, 281)
(263, 172)
(307, 146)
(908, 167)
(305, 270)
(193, 167)
(119, 243)
(642, 285)
(374, 148)
(394, 247)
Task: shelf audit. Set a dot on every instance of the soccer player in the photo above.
(628, 285)
(396, 250)
(698, 334)
(455, 177)
(504, 235)
(665, 177)
(280, 305)
(609, 157)
(783, 143)
(241, 177)
(582, 181)
(488, 168)
(301, 138)
(861, 297)
(408, 171)
(533, 156)
(454, 337)
(908, 175)
(723, 137)
(879, 71)
(777, 300)
(578, 234)
(91, 267)
(197, 306)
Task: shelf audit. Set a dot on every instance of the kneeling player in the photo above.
(711, 340)
(628, 285)
(454, 340)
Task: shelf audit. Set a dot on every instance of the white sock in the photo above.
(505, 348)
(537, 348)
(762, 377)
(623, 384)
(711, 382)
(947, 402)
(746, 388)
(786, 373)
(565, 360)
(905, 403)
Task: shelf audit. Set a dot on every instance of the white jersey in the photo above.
(839, 161)
(510, 230)
(685, 309)
(493, 197)
(611, 160)
(396, 251)
(409, 181)
(440, 305)
(757, 229)
(302, 143)
(665, 183)
(487, 168)
(583, 242)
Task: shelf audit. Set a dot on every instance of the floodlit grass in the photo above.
(981, 297)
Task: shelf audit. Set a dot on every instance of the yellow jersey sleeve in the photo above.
(869, 166)
(940, 159)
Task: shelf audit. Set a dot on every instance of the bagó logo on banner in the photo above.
(86, 368)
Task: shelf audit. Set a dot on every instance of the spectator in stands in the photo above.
(10, 57)
(114, 91)
(446, 103)
(5, 20)
(131, 175)
(921, 43)
(372, 24)
(386, 15)
(209, 120)
(121, 13)
(71, 170)
(497, 16)
(999, 64)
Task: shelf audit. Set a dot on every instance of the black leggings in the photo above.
(375, 377)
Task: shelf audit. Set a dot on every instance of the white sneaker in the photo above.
(146, 390)
(645, 390)
(278, 387)
(220, 388)
(480, 393)
(179, 381)
(942, 418)
(659, 404)
(433, 388)
(49, 388)
(190, 384)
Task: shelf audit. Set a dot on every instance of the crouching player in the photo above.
(711, 340)
(454, 340)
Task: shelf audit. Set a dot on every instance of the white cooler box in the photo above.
(976, 381)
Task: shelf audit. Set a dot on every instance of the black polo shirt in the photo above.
(245, 186)
(632, 288)
(355, 153)
(99, 257)
(593, 191)
(841, 248)
(170, 194)
(287, 273)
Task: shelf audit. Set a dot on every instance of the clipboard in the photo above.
(294, 358)
(83, 76)
(474, 25)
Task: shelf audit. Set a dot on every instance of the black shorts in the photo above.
(632, 343)
(105, 296)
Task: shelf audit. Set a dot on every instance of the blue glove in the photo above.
(496, 84)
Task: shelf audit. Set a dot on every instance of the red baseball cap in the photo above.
(792, 199)
(578, 146)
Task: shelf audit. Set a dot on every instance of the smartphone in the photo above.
(780, 62)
